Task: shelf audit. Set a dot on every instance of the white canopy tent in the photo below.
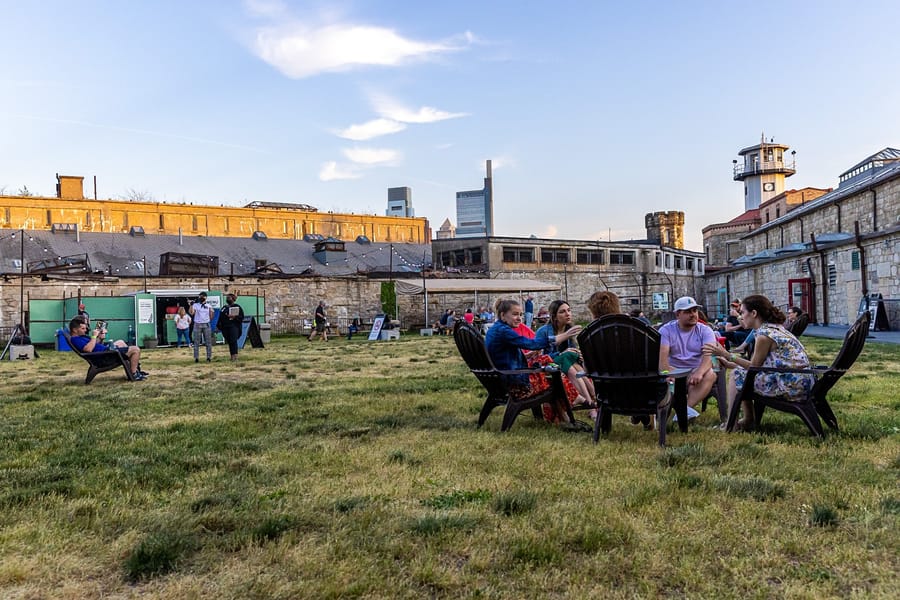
(468, 286)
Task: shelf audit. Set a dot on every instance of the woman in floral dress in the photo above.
(775, 347)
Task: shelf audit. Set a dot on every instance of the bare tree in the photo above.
(137, 196)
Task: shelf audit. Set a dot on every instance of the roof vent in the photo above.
(260, 235)
(361, 239)
(136, 231)
(313, 237)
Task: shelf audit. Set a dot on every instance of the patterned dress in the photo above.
(787, 352)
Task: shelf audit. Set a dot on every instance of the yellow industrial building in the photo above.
(70, 210)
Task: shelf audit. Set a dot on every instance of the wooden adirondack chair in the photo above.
(621, 356)
(100, 362)
(809, 407)
(470, 344)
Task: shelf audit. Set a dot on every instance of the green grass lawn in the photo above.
(354, 469)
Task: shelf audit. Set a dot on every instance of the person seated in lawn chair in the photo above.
(504, 345)
(681, 347)
(78, 332)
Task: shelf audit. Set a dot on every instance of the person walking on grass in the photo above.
(202, 313)
(320, 323)
(231, 323)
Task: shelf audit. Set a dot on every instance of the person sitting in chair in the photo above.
(78, 332)
(775, 347)
(681, 347)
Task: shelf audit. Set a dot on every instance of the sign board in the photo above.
(376, 328)
(661, 301)
(878, 320)
(145, 310)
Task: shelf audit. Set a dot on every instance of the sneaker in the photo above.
(138, 377)
(208, 359)
(691, 415)
(196, 360)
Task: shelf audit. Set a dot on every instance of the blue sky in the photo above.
(594, 113)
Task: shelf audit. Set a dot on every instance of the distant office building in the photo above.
(475, 210)
(400, 202)
(447, 230)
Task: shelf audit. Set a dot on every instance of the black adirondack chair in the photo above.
(100, 362)
(621, 356)
(719, 391)
(470, 344)
(809, 407)
(799, 326)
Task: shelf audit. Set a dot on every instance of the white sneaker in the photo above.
(691, 415)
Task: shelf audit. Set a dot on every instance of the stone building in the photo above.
(646, 274)
(70, 210)
(827, 254)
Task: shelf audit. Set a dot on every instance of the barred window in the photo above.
(832, 276)
(679, 262)
(620, 257)
(523, 255)
(554, 255)
(589, 257)
(854, 260)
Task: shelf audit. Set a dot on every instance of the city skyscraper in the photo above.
(475, 210)
(400, 202)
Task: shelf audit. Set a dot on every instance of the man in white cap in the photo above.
(681, 347)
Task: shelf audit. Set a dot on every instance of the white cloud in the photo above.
(373, 156)
(391, 109)
(299, 51)
(499, 162)
(265, 8)
(370, 129)
(332, 171)
(550, 231)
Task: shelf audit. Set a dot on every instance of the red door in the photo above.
(799, 294)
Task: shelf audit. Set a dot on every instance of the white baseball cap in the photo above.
(685, 303)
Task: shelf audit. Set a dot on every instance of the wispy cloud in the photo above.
(299, 50)
(371, 129)
(266, 8)
(373, 156)
(550, 231)
(391, 109)
(504, 161)
(332, 171)
(163, 134)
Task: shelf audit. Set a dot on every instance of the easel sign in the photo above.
(376, 328)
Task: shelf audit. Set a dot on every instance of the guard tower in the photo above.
(762, 169)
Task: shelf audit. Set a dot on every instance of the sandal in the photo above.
(582, 402)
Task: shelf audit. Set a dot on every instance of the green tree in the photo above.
(388, 298)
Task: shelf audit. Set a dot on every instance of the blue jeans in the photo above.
(183, 333)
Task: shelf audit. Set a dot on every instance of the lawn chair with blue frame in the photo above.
(100, 362)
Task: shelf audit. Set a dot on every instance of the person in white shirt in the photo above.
(202, 313)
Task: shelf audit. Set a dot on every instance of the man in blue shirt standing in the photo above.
(529, 310)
